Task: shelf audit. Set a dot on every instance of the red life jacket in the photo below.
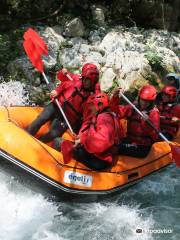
(86, 108)
(167, 112)
(138, 131)
(71, 97)
(100, 133)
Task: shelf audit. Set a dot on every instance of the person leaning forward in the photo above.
(94, 146)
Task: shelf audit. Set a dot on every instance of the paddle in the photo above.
(175, 148)
(35, 47)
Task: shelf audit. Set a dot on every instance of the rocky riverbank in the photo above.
(126, 57)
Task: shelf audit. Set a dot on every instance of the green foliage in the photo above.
(27, 8)
(8, 48)
(111, 89)
(155, 60)
(153, 80)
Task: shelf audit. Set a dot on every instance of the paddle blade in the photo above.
(175, 150)
(33, 55)
(37, 40)
(67, 150)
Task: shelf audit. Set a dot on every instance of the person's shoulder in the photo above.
(155, 109)
(76, 77)
(77, 80)
(176, 106)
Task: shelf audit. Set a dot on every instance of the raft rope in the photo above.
(37, 141)
(68, 166)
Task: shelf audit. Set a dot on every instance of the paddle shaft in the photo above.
(142, 115)
(59, 106)
(37, 42)
(68, 76)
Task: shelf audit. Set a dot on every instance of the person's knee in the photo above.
(141, 154)
(42, 118)
(54, 133)
(78, 153)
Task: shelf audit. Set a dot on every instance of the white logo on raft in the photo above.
(78, 178)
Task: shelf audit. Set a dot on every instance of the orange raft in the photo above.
(20, 148)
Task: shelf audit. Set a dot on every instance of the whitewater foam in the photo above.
(13, 93)
(104, 221)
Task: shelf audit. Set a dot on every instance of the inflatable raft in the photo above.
(44, 162)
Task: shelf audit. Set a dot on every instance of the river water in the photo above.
(26, 213)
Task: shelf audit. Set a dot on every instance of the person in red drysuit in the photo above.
(71, 95)
(140, 136)
(98, 135)
(173, 80)
(169, 112)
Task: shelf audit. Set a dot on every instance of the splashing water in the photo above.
(13, 93)
(21, 211)
(28, 215)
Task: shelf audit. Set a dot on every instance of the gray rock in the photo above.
(107, 79)
(22, 69)
(70, 57)
(75, 28)
(98, 14)
(94, 37)
(54, 41)
(85, 49)
(77, 41)
(95, 58)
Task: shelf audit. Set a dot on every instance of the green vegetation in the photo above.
(9, 49)
(154, 58)
(114, 86)
(152, 79)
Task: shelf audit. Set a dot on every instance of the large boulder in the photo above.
(163, 38)
(121, 39)
(107, 79)
(22, 70)
(74, 28)
(70, 58)
(54, 40)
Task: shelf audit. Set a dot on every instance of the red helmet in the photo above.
(148, 93)
(99, 100)
(170, 91)
(90, 71)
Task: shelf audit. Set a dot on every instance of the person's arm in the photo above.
(61, 87)
(62, 75)
(123, 111)
(114, 104)
(176, 111)
(97, 88)
(154, 118)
